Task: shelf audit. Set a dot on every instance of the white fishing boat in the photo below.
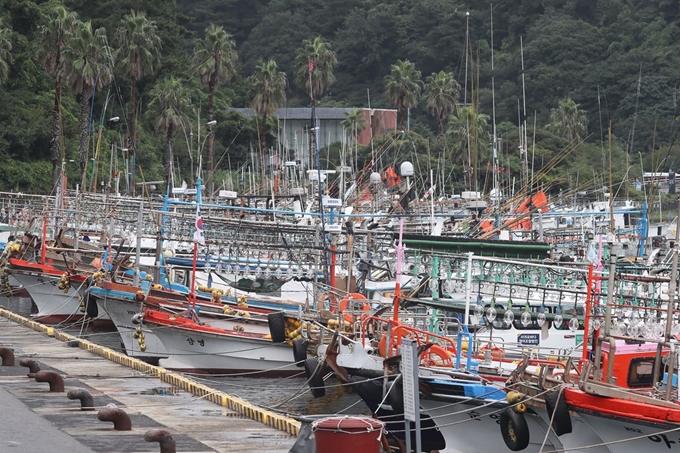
(201, 348)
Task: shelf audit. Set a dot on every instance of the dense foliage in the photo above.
(587, 64)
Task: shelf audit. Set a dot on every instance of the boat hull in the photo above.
(203, 352)
(54, 306)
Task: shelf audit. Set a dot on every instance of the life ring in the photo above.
(558, 411)
(398, 332)
(514, 430)
(355, 302)
(496, 352)
(445, 357)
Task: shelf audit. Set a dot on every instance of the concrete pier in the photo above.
(200, 419)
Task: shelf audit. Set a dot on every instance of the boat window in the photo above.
(640, 372)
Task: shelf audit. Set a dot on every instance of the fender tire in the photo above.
(314, 377)
(277, 326)
(561, 421)
(514, 430)
(91, 307)
(299, 351)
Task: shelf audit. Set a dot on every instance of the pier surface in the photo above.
(37, 420)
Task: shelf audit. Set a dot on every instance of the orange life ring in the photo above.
(496, 352)
(347, 302)
(445, 357)
(398, 332)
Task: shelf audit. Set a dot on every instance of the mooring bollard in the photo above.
(163, 437)
(120, 418)
(86, 401)
(7, 356)
(53, 378)
(33, 366)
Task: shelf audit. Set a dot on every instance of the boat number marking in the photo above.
(474, 415)
(658, 438)
(191, 341)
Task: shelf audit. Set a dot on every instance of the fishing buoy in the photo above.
(514, 430)
(558, 411)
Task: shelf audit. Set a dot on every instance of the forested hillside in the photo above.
(162, 66)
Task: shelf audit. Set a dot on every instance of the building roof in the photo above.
(305, 113)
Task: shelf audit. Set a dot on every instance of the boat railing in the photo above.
(390, 339)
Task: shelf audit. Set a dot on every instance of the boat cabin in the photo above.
(633, 365)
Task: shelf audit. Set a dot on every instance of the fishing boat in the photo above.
(621, 395)
(55, 292)
(125, 305)
(198, 347)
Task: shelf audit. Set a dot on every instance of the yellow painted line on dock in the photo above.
(233, 403)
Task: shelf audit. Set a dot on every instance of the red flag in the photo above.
(311, 66)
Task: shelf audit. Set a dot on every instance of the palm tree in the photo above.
(5, 55)
(215, 63)
(403, 87)
(314, 65)
(85, 70)
(441, 96)
(354, 122)
(168, 107)
(269, 86)
(53, 39)
(313, 71)
(137, 56)
(568, 120)
(468, 132)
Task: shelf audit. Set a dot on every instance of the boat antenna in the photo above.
(523, 130)
(496, 202)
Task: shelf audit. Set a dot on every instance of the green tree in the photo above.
(53, 39)
(568, 120)
(214, 62)
(269, 86)
(314, 64)
(5, 52)
(354, 122)
(402, 87)
(441, 96)
(86, 68)
(168, 109)
(137, 56)
(468, 134)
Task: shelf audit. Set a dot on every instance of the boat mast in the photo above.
(523, 154)
(496, 188)
(465, 90)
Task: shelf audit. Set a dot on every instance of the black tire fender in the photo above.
(91, 307)
(556, 404)
(299, 351)
(277, 326)
(314, 377)
(514, 430)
